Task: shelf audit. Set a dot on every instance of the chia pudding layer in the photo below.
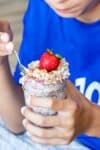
(45, 84)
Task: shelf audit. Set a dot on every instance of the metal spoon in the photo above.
(23, 69)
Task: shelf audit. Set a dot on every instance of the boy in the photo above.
(69, 27)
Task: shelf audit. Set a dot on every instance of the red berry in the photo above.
(49, 61)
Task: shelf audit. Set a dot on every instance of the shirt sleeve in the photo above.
(34, 34)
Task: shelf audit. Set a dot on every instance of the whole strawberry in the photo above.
(49, 61)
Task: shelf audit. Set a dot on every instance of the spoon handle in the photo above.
(21, 66)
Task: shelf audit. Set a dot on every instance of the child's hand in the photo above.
(6, 46)
(73, 118)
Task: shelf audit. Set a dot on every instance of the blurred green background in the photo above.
(13, 11)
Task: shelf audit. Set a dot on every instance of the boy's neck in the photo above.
(90, 16)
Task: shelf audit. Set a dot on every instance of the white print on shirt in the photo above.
(88, 92)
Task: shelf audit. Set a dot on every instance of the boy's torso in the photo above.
(78, 42)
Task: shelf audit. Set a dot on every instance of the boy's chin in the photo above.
(68, 15)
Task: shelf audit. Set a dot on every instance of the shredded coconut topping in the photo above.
(55, 76)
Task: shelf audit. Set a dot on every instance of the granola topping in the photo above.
(55, 76)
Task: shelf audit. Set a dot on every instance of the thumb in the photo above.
(73, 92)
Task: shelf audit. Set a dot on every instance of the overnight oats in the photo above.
(46, 78)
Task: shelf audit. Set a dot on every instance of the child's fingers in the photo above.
(6, 48)
(4, 37)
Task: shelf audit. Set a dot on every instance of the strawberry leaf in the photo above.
(58, 56)
(50, 51)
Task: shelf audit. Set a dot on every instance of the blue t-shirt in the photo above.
(78, 42)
